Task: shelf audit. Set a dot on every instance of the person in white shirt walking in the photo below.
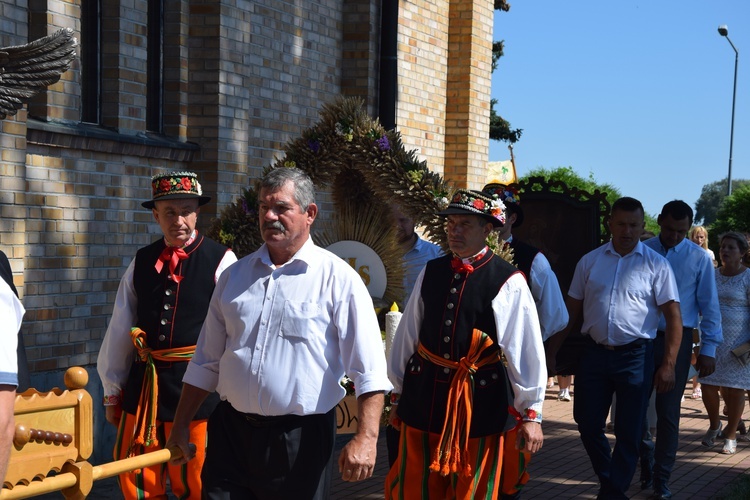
(284, 325)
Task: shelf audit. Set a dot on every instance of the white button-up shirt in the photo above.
(621, 294)
(277, 340)
(11, 311)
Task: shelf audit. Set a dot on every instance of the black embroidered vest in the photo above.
(172, 315)
(455, 304)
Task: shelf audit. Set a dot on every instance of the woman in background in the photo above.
(733, 285)
(699, 236)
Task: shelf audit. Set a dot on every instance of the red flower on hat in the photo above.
(164, 185)
(186, 185)
(478, 204)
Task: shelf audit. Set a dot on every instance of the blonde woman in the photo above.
(699, 236)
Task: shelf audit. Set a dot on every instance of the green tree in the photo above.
(734, 214)
(500, 129)
(572, 179)
(712, 198)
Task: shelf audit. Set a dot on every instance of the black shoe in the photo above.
(647, 484)
(660, 496)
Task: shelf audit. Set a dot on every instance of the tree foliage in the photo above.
(500, 129)
(734, 214)
(712, 199)
(572, 179)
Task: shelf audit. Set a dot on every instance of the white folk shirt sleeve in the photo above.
(520, 338)
(406, 338)
(116, 353)
(550, 304)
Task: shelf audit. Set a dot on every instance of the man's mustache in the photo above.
(274, 225)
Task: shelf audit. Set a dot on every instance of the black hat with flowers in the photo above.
(175, 186)
(510, 196)
(469, 202)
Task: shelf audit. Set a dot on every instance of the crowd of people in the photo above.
(236, 364)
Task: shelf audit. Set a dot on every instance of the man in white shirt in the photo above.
(157, 316)
(620, 288)
(550, 306)
(453, 398)
(284, 325)
(11, 314)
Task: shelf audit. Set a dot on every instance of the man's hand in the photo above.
(393, 419)
(357, 459)
(179, 439)
(705, 365)
(664, 378)
(530, 437)
(113, 414)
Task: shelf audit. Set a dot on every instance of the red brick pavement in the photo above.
(562, 469)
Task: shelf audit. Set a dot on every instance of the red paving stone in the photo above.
(562, 469)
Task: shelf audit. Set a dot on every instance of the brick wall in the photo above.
(422, 70)
(468, 88)
(241, 78)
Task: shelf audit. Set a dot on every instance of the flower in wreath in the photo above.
(290, 164)
(344, 129)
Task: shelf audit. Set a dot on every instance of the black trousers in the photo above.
(251, 457)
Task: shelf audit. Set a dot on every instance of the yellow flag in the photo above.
(501, 172)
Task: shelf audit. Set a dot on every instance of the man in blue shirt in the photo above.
(620, 288)
(694, 273)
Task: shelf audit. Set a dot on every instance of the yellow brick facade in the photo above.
(240, 79)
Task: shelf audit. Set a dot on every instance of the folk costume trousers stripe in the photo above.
(515, 464)
(151, 482)
(410, 477)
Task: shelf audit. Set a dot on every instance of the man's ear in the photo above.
(312, 212)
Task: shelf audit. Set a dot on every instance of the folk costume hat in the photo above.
(509, 195)
(468, 202)
(176, 186)
(501, 175)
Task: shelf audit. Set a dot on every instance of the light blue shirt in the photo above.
(694, 272)
(621, 294)
(415, 260)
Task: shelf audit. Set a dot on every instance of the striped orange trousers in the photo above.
(410, 477)
(151, 482)
(515, 462)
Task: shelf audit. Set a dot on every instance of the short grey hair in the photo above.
(304, 190)
(742, 243)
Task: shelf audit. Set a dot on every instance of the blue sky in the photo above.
(637, 93)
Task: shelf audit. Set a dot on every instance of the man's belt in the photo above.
(685, 330)
(451, 455)
(145, 415)
(625, 347)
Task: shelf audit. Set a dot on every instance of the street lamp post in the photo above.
(724, 31)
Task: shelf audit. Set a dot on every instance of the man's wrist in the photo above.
(531, 415)
(112, 400)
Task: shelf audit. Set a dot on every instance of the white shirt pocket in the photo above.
(300, 320)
